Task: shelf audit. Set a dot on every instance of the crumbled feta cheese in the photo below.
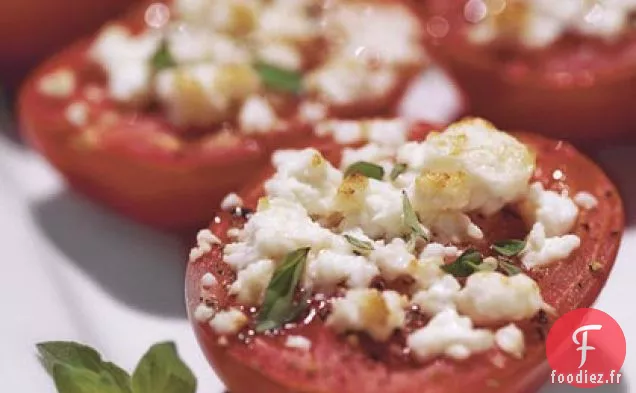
(346, 82)
(298, 342)
(231, 201)
(203, 313)
(368, 153)
(228, 322)
(469, 166)
(437, 250)
(491, 297)
(306, 177)
(389, 133)
(77, 113)
(205, 240)
(394, 259)
(328, 269)
(59, 83)
(208, 280)
(510, 339)
(453, 227)
(252, 281)
(541, 250)
(277, 230)
(368, 310)
(284, 21)
(557, 212)
(257, 115)
(191, 44)
(312, 112)
(585, 200)
(451, 335)
(439, 297)
(281, 55)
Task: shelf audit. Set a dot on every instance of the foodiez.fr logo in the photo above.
(586, 348)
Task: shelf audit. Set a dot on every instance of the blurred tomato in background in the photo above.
(31, 30)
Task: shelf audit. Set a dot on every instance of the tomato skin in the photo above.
(582, 100)
(34, 29)
(332, 366)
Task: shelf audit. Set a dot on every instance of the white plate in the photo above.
(71, 270)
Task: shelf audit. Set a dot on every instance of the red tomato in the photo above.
(577, 88)
(34, 29)
(262, 363)
(139, 164)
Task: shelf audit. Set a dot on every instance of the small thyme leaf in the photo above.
(509, 248)
(509, 268)
(278, 306)
(410, 220)
(465, 265)
(280, 79)
(360, 246)
(162, 58)
(397, 170)
(367, 169)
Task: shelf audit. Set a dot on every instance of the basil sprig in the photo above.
(280, 79)
(509, 248)
(162, 58)
(278, 307)
(397, 170)
(410, 220)
(367, 169)
(77, 368)
(359, 246)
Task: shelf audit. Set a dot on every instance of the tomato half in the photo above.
(333, 364)
(34, 29)
(136, 161)
(580, 86)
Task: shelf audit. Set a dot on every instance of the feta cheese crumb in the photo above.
(557, 212)
(510, 339)
(252, 281)
(59, 84)
(451, 335)
(368, 310)
(541, 250)
(329, 268)
(77, 113)
(585, 200)
(393, 260)
(298, 342)
(257, 116)
(491, 297)
(439, 297)
(208, 280)
(437, 250)
(203, 313)
(228, 322)
(312, 112)
(205, 240)
(231, 201)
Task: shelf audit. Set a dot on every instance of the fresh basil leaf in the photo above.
(359, 246)
(409, 218)
(280, 79)
(367, 169)
(509, 268)
(69, 379)
(509, 248)
(68, 353)
(397, 170)
(465, 265)
(162, 371)
(278, 307)
(162, 58)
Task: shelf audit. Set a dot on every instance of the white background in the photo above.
(71, 270)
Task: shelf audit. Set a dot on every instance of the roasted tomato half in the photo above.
(437, 266)
(34, 29)
(566, 69)
(165, 111)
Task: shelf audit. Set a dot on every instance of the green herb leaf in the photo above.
(409, 218)
(397, 170)
(509, 268)
(68, 353)
(509, 248)
(278, 307)
(277, 78)
(70, 379)
(162, 371)
(360, 246)
(162, 59)
(465, 265)
(367, 169)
